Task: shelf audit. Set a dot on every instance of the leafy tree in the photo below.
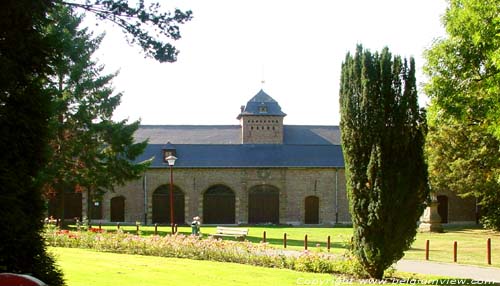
(90, 152)
(145, 25)
(25, 110)
(464, 158)
(383, 134)
(464, 67)
(464, 88)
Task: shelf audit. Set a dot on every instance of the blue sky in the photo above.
(295, 46)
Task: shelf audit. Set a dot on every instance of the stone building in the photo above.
(260, 171)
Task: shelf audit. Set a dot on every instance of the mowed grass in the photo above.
(471, 240)
(85, 267)
(471, 246)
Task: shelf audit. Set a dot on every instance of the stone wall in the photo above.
(262, 129)
(294, 185)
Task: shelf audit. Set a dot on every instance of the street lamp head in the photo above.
(171, 160)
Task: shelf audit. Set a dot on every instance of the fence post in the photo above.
(100, 225)
(305, 242)
(455, 246)
(284, 240)
(488, 251)
(117, 225)
(175, 228)
(328, 244)
(156, 229)
(264, 236)
(427, 242)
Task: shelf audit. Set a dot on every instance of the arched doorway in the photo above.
(443, 208)
(161, 205)
(263, 204)
(95, 209)
(311, 212)
(117, 209)
(219, 205)
(66, 205)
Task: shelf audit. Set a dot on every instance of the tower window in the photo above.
(263, 109)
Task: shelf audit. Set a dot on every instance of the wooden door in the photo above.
(263, 205)
(219, 205)
(311, 215)
(443, 208)
(118, 209)
(161, 205)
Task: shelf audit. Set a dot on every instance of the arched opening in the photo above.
(443, 208)
(219, 205)
(66, 205)
(161, 205)
(263, 204)
(117, 209)
(311, 212)
(95, 209)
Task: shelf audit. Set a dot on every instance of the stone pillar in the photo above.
(430, 221)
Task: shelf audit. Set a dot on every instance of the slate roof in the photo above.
(231, 134)
(220, 146)
(248, 156)
(262, 100)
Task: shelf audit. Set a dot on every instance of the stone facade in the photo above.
(262, 129)
(260, 171)
(294, 186)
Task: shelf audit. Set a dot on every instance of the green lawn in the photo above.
(83, 267)
(471, 241)
(471, 246)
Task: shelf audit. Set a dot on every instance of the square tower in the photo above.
(261, 120)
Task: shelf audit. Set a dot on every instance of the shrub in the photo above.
(192, 247)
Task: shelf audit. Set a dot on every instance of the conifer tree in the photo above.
(383, 134)
(89, 151)
(26, 109)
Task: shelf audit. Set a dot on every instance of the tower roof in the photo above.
(262, 104)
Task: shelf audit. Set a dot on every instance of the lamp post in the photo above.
(171, 162)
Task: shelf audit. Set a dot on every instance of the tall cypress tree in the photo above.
(383, 134)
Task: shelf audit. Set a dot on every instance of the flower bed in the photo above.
(192, 247)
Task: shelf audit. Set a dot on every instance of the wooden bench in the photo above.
(237, 233)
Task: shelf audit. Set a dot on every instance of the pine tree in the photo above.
(25, 110)
(89, 151)
(383, 134)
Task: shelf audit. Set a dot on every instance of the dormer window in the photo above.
(167, 151)
(262, 109)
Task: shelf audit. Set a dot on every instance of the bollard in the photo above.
(455, 246)
(328, 243)
(156, 229)
(427, 242)
(284, 240)
(117, 225)
(175, 228)
(137, 228)
(305, 242)
(488, 251)
(264, 236)
(100, 226)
